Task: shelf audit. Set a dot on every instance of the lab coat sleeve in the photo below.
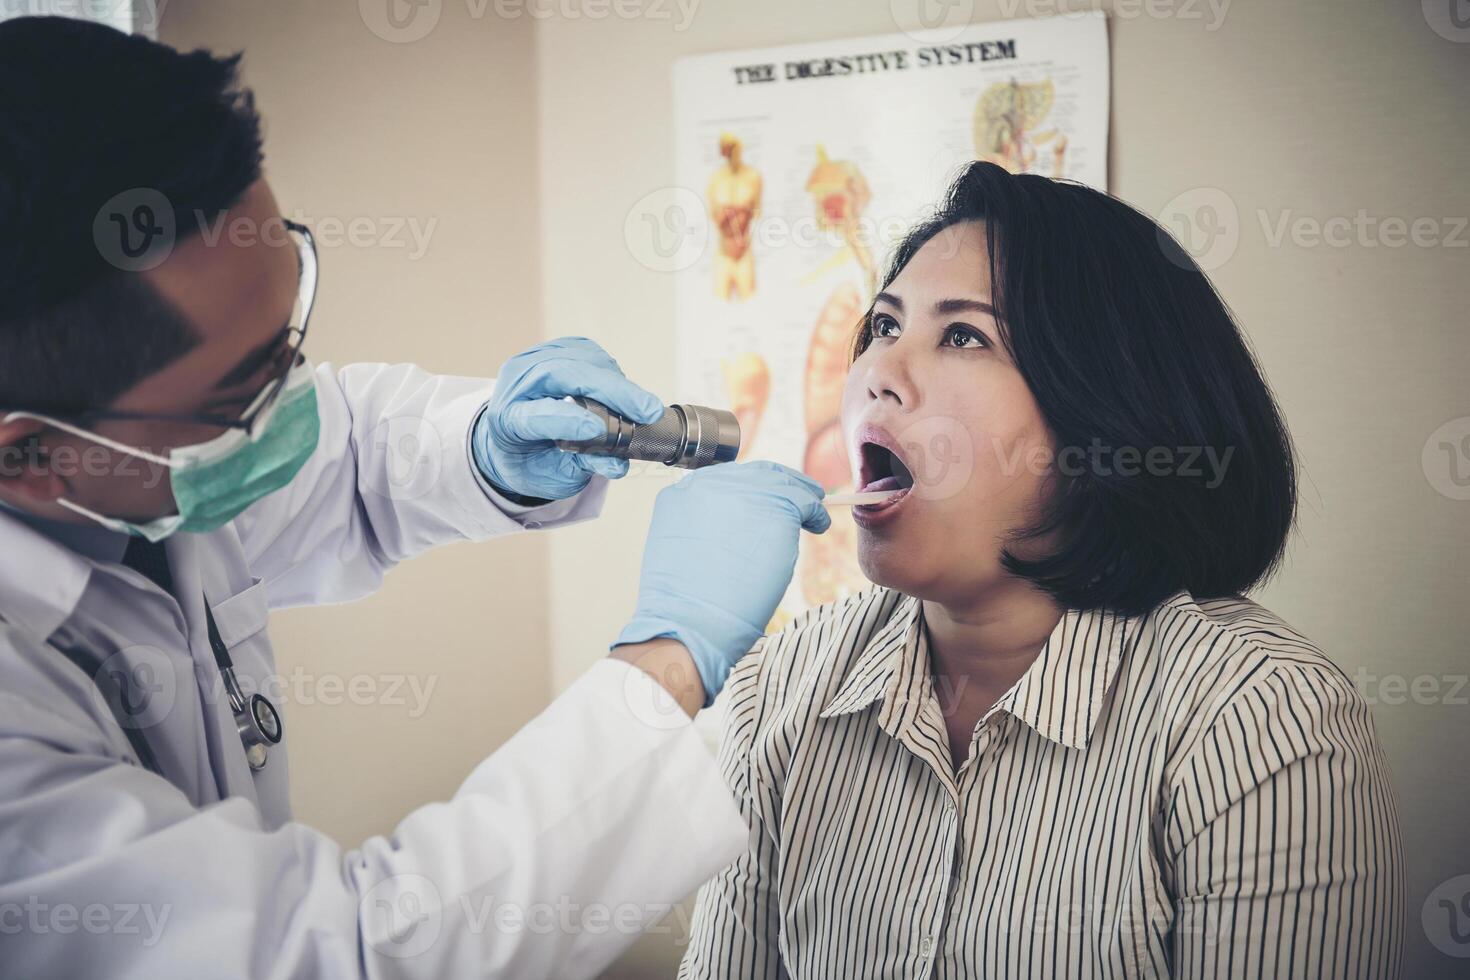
(392, 476)
(555, 853)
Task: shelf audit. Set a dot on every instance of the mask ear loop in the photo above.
(100, 440)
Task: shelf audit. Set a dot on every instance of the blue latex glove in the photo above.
(720, 554)
(512, 438)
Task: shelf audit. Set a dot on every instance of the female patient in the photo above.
(1054, 741)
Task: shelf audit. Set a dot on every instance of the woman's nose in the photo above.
(889, 377)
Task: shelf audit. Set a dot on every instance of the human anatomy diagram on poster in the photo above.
(811, 161)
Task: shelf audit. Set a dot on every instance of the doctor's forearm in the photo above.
(668, 662)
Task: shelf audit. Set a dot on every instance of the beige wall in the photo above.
(531, 139)
(442, 130)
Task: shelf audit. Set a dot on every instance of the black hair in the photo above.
(88, 113)
(1124, 342)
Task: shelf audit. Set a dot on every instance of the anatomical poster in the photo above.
(808, 163)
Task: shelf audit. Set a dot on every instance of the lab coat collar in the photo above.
(42, 578)
(1060, 695)
(90, 540)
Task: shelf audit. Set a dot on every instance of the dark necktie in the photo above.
(151, 560)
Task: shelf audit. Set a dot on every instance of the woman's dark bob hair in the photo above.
(1126, 348)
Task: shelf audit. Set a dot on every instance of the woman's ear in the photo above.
(26, 475)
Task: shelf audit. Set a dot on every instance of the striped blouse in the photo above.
(1197, 792)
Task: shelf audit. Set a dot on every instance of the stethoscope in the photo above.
(256, 719)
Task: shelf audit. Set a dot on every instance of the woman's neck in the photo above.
(989, 641)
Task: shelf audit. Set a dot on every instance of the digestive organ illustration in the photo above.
(829, 567)
(748, 382)
(1007, 115)
(841, 194)
(734, 198)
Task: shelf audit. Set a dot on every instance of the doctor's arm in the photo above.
(550, 859)
(408, 460)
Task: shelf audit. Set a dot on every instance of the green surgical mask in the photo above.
(216, 481)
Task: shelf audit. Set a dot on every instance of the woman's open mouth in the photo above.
(883, 469)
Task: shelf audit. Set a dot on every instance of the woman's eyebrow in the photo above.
(890, 299)
(964, 306)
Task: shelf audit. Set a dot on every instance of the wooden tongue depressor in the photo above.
(853, 499)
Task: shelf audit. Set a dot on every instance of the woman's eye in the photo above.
(885, 326)
(965, 337)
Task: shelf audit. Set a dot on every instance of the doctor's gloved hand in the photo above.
(512, 438)
(721, 551)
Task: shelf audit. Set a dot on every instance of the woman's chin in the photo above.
(885, 565)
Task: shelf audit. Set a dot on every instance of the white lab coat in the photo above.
(553, 854)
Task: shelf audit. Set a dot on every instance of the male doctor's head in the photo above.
(148, 283)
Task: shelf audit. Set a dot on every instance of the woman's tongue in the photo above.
(898, 480)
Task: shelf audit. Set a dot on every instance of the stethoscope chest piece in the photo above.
(256, 719)
(259, 724)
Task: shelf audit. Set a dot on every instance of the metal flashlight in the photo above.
(687, 436)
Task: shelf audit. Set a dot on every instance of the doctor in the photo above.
(172, 468)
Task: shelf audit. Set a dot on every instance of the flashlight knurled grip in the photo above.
(686, 436)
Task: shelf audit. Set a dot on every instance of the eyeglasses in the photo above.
(291, 356)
